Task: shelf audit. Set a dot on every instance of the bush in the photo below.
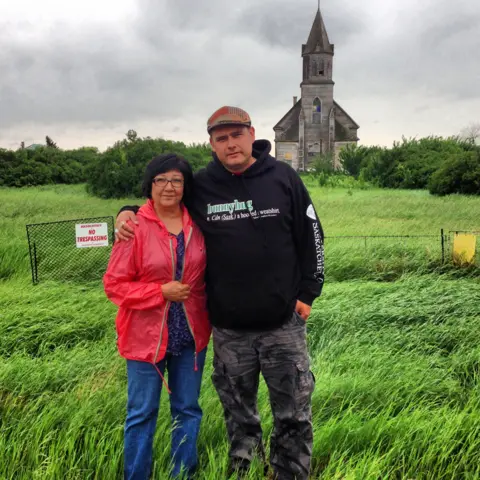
(322, 164)
(442, 165)
(411, 163)
(459, 174)
(118, 172)
(323, 174)
(44, 165)
(353, 158)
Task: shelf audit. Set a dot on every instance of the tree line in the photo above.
(443, 166)
(115, 173)
(44, 165)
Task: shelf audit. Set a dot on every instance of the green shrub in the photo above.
(459, 174)
(322, 164)
(411, 163)
(44, 165)
(353, 157)
(118, 172)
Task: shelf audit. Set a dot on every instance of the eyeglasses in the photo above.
(162, 182)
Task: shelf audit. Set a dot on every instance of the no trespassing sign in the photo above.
(91, 235)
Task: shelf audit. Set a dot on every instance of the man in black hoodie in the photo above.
(265, 267)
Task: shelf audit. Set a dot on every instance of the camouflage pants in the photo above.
(281, 356)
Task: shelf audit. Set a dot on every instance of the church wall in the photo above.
(316, 135)
(287, 152)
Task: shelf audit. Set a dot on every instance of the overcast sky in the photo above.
(84, 72)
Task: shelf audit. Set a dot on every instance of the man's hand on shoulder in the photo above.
(303, 309)
(124, 226)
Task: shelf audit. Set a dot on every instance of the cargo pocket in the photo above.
(223, 384)
(219, 375)
(305, 386)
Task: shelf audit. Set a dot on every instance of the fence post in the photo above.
(31, 255)
(35, 261)
(443, 246)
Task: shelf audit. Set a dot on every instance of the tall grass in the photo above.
(397, 363)
(342, 213)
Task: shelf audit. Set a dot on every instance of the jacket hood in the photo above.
(261, 152)
(147, 211)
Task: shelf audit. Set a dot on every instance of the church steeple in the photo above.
(318, 39)
(317, 54)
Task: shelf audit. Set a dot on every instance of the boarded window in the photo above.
(321, 67)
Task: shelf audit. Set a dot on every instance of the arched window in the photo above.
(317, 111)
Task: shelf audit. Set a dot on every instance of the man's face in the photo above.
(233, 146)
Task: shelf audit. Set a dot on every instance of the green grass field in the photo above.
(394, 342)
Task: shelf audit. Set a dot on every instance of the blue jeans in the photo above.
(144, 388)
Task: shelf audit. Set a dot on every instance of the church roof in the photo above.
(340, 109)
(318, 39)
(34, 146)
(289, 125)
(344, 135)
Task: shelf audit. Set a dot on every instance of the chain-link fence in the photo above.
(80, 250)
(70, 250)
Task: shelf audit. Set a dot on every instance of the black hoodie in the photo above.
(264, 242)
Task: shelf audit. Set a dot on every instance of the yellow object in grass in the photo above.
(464, 248)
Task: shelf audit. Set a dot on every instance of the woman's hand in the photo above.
(175, 291)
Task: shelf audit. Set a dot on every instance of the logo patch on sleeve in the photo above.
(311, 212)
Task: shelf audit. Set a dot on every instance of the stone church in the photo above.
(316, 123)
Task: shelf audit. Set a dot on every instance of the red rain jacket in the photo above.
(135, 273)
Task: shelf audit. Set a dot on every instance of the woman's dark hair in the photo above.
(164, 163)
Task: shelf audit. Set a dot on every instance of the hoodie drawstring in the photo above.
(195, 368)
(163, 379)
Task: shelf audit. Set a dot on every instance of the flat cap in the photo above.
(226, 116)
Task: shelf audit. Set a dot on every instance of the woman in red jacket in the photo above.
(157, 281)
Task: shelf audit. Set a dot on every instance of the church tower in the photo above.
(317, 94)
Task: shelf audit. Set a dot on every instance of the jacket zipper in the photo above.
(183, 303)
(167, 306)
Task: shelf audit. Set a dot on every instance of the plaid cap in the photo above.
(228, 116)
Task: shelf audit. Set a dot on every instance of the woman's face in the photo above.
(167, 188)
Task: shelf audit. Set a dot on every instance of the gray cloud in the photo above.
(183, 58)
(431, 51)
(286, 26)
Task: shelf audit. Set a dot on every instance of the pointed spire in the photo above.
(318, 38)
